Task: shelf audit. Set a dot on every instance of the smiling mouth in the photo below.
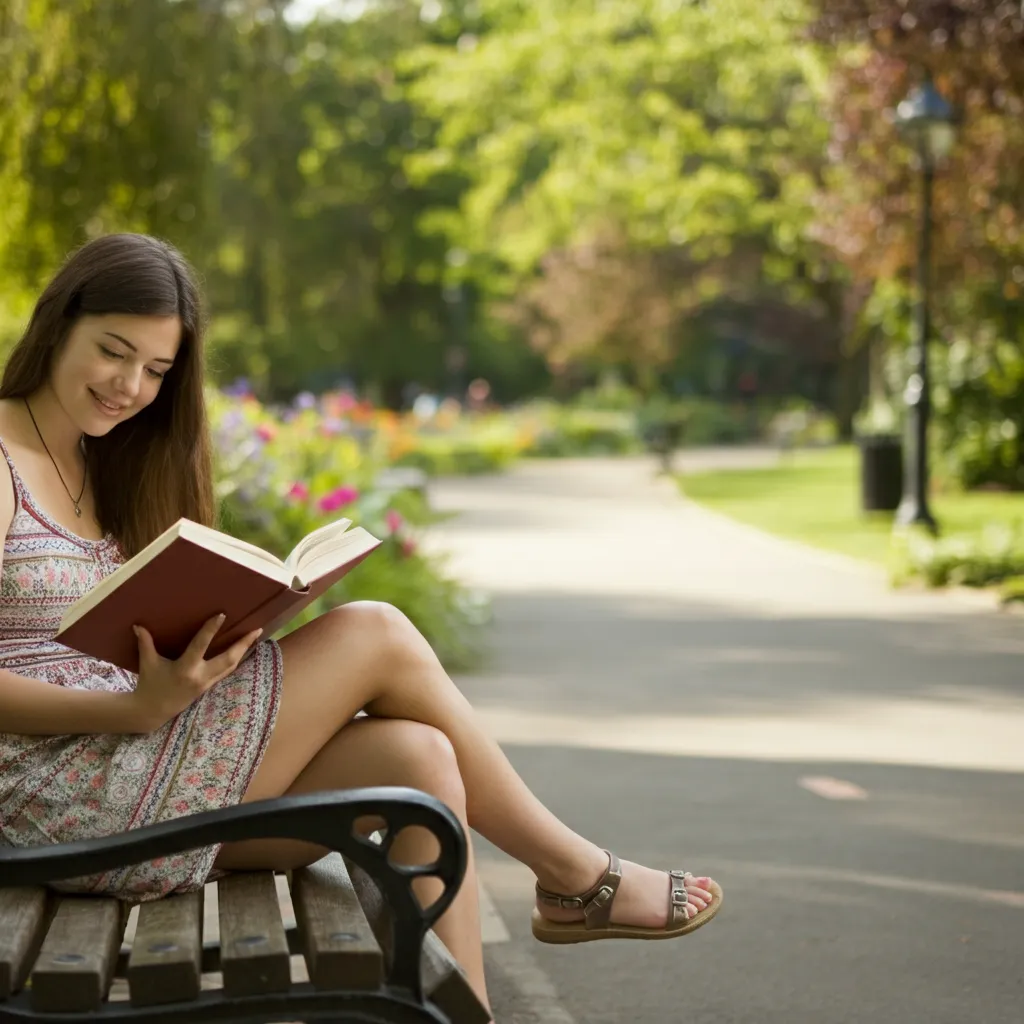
(106, 403)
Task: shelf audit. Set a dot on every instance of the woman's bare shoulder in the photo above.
(7, 498)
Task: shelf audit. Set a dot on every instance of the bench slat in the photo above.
(254, 948)
(165, 962)
(444, 981)
(337, 940)
(76, 962)
(23, 913)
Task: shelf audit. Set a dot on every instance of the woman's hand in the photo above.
(166, 687)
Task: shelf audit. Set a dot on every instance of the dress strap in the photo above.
(19, 486)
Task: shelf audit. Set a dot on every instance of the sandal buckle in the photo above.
(570, 903)
(680, 897)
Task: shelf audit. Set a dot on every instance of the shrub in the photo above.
(979, 403)
(996, 555)
(561, 431)
(277, 480)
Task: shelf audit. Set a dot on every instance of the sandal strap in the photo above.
(678, 897)
(596, 902)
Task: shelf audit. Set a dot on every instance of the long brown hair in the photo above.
(156, 467)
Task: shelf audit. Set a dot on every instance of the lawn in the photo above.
(813, 496)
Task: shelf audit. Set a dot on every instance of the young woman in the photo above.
(105, 443)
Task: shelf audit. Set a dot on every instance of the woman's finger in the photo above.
(196, 650)
(147, 649)
(224, 664)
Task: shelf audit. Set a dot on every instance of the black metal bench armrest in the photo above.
(323, 818)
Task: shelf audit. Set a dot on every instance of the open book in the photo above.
(190, 573)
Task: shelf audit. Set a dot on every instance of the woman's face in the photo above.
(111, 367)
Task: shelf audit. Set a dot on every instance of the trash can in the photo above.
(881, 472)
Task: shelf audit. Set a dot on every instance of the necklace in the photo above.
(74, 501)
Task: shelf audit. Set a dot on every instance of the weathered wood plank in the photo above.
(254, 948)
(165, 962)
(76, 962)
(338, 942)
(22, 923)
(444, 981)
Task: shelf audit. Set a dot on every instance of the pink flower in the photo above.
(408, 547)
(338, 498)
(266, 432)
(298, 491)
(181, 806)
(194, 779)
(393, 520)
(211, 793)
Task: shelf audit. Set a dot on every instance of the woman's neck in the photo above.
(59, 433)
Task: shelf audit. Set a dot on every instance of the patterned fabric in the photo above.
(55, 789)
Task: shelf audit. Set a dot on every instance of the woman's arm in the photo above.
(32, 707)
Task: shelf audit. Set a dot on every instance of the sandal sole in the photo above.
(575, 931)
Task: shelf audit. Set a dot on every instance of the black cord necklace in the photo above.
(74, 501)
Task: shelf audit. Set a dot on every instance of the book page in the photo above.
(217, 541)
(324, 537)
(330, 555)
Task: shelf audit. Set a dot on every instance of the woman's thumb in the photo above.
(146, 648)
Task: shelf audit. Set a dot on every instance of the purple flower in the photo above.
(330, 426)
(238, 388)
(305, 400)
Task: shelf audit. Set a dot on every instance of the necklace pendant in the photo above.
(78, 511)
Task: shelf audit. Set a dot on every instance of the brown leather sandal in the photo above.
(596, 904)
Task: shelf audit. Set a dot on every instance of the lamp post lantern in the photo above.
(927, 121)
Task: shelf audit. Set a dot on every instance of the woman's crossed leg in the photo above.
(422, 732)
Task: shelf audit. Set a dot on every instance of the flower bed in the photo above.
(279, 476)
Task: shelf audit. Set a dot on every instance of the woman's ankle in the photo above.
(573, 876)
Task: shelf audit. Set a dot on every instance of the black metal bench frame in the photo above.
(327, 819)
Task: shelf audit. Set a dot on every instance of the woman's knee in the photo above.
(427, 758)
(386, 631)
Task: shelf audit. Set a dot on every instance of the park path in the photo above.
(847, 761)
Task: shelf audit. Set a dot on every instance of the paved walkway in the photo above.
(846, 760)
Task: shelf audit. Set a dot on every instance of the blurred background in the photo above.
(489, 228)
(506, 280)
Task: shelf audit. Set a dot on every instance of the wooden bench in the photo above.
(368, 950)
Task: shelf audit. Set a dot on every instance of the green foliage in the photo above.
(993, 556)
(566, 431)
(980, 412)
(277, 481)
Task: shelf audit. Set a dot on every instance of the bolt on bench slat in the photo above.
(76, 962)
(23, 913)
(165, 965)
(337, 940)
(254, 948)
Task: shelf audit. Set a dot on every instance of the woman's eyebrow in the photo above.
(125, 341)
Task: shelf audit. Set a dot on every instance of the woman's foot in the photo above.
(643, 898)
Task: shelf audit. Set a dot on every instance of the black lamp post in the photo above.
(926, 120)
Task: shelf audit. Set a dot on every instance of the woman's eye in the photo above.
(110, 353)
(155, 374)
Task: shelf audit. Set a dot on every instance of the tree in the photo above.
(691, 132)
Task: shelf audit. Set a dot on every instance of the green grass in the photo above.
(814, 497)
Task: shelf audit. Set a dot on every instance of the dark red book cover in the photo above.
(176, 592)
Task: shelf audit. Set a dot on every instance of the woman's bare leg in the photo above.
(368, 656)
(379, 752)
